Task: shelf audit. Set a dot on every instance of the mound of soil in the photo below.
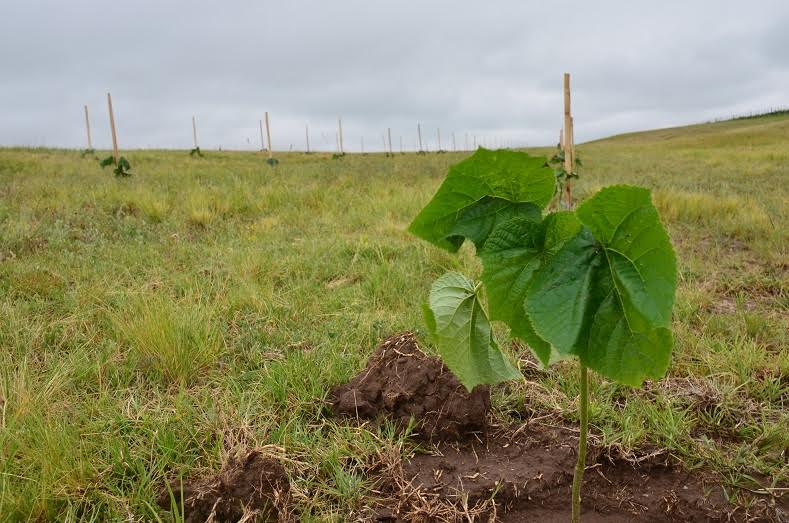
(401, 382)
(527, 476)
(249, 486)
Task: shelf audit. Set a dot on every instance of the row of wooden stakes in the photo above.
(566, 141)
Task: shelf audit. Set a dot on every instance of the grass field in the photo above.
(151, 325)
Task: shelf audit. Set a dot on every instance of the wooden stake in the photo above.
(389, 132)
(569, 161)
(115, 153)
(87, 128)
(339, 124)
(268, 136)
(194, 130)
(419, 134)
(262, 142)
(307, 134)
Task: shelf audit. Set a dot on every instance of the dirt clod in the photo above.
(250, 487)
(401, 382)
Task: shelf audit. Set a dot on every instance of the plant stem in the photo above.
(581, 463)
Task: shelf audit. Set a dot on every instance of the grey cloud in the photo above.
(491, 70)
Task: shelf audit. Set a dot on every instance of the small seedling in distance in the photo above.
(122, 166)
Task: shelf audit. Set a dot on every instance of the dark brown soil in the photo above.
(401, 382)
(249, 486)
(527, 476)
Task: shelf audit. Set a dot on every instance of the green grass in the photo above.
(151, 325)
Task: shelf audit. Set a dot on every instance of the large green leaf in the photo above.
(461, 331)
(607, 294)
(477, 221)
(511, 256)
(489, 179)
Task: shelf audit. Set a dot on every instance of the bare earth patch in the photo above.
(526, 475)
(250, 487)
(401, 382)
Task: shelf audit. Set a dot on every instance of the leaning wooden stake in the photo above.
(87, 129)
(115, 153)
(419, 135)
(569, 160)
(194, 130)
(339, 125)
(268, 136)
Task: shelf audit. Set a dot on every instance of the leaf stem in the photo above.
(581, 463)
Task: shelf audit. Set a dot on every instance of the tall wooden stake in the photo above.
(115, 153)
(569, 160)
(87, 129)
(419, 135)
(389, 133)
(268, 136)
(307, 135)
(339, 124)
(194, 130)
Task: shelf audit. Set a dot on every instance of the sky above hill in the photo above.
(487, 69)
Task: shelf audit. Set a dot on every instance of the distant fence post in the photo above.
(569, 153)
(87, 129)
(194, 130)
(389, 133)
(339, 124)
(454, 144)
(307, 135)
(268, 136)
(419, 135)
(115, 153)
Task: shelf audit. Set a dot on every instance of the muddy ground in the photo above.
(526, 475)
(514, 474)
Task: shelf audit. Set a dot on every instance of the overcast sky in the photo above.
(490, 69)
